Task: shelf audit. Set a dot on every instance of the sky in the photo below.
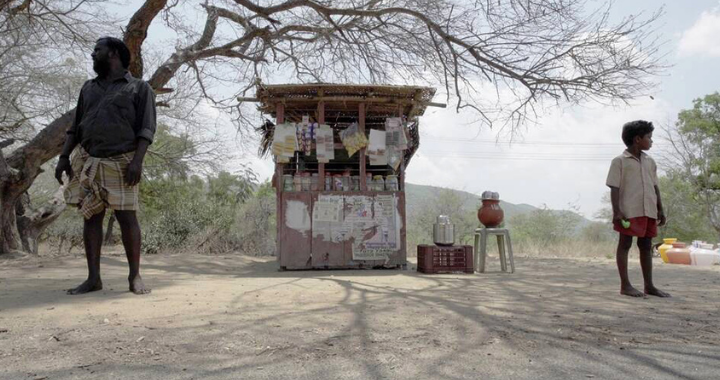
(562, 159)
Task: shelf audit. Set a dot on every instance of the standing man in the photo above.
(114, 125)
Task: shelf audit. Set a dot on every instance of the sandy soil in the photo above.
(234, 317)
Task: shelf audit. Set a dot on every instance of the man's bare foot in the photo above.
(632, 292)
(653, 291)
(86, 287)
(137, 286)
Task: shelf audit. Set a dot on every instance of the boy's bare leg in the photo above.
(645, 246)
(130, 229)
(92, 237)
(624, 245)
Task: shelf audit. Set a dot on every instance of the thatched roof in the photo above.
(381, 100)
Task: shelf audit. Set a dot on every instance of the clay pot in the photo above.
(490, 214)
(678, 254)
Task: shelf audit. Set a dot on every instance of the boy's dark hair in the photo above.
(637, 128)
(118, 47)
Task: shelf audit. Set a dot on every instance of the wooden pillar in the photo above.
(401, 179)
(361, 127)
(279, 119)
(321, 120)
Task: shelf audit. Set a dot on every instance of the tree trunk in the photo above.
(9, 236)
(109, 240)
(31, 223)
(19, 171)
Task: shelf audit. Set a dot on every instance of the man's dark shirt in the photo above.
(109, 121)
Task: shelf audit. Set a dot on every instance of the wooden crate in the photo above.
(432, 259)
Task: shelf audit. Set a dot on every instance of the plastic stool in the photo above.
(481, 237)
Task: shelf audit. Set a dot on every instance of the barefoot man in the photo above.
(114, 125)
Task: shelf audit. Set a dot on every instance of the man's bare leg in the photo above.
(624, 244)
(92, 238)
(645, 246)
(130, 229)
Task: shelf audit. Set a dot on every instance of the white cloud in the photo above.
(702, 38)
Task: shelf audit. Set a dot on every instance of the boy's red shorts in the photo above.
(641, 227)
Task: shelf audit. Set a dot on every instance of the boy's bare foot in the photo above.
(137, 286)
(632, 292)
(88, 286)
(653, 291)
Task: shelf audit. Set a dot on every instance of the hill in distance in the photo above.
(416, 196)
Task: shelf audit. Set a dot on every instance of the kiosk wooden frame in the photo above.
(305, 243)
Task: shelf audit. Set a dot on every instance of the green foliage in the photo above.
(168, 155)
(66, 233)
(228, 189)
(687, 219)
(254, 230)
(173, 211)
(696, 173)
(545, 226)
(598, 232)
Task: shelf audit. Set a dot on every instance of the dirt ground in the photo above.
(235, 317)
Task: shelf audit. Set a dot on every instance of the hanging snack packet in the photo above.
(308, 138)
(377, 152)
(395, 128)
(324, 143)
(353, 139)
(284, 140)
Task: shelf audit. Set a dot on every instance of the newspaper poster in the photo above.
(381, 237)
(328, 210)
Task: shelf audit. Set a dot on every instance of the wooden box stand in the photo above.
(432, 259)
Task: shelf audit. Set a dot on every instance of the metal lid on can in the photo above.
(443, 219)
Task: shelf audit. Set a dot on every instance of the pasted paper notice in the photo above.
(327, 210)
(384, 239)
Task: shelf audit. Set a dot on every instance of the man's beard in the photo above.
(102, 68)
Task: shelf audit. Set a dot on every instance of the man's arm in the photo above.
(148, 120)
(71, 141)
(134, 170)
(661, 212)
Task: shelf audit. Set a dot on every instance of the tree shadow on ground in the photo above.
(552, 319)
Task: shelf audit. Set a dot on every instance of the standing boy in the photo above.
(637, 209)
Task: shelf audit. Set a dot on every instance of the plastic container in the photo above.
(288, 182)
(667, 244)
(306, 182)
(337, 182)
(704, 255)
(355, 183)
(328, 182)
(378, 183)
(679, 254)
(297, 182)
(392, 183)
(314, 182)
